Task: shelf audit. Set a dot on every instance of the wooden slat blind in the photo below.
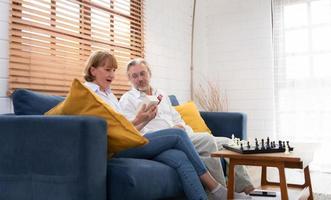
(50, 40)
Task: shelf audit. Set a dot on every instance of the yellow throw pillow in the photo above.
(121, 133)
(191, 116)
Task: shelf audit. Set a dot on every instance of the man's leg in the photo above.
(204, 143)
(242, 179)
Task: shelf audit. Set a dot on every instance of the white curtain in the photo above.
(302, 48)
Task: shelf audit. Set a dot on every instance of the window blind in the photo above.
(50, 40)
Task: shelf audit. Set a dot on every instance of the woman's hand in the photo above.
(145, 114)
(179, 126)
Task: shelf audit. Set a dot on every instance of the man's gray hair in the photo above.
(138, 61)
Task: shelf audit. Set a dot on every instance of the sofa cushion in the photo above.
(191, 116)
(82, 101)
(27, 102)
(130, 178)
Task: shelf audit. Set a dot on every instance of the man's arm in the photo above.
(176, 118)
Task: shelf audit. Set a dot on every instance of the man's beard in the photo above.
(143, 88)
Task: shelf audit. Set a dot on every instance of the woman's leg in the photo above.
(162, 140)
(166, 139)
(184, 144)
(161, 147)
(191, 183)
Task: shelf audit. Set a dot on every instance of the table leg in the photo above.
(264, 176)
(231, 180)
(282, 181)
(308, 182)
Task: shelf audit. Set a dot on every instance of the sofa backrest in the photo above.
(27, 102)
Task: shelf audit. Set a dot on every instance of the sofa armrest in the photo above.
(53, 157)
(226, 123)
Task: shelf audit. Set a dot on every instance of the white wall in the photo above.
(168, 44)
(5, 104)
(233, 46)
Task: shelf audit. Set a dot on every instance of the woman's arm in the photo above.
(141, 126)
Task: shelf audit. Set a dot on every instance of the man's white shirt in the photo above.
(166, 117)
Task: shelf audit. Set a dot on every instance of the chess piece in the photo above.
(268, 143)
(241, 146)
(262, 143)
(232, 140)
(256, 144)
(287, 150)
(280, 146)
(288, 145)
(248, 146)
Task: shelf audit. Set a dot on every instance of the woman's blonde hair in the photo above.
(95, 60)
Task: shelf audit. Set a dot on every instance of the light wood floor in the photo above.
(320, 181)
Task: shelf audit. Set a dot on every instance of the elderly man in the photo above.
(139, 75)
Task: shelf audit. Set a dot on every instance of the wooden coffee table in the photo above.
(278, 160)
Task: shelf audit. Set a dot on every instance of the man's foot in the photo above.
(248, 189)
(241, 196)
(221, 194)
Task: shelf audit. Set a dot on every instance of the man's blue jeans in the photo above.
(174, 148)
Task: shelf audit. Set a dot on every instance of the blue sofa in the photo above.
(64, 157)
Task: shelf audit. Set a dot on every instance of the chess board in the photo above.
(252, 149)
(244, 147)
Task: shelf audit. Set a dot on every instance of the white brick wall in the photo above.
(5, 103)
(233, 46)
(167, 44)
